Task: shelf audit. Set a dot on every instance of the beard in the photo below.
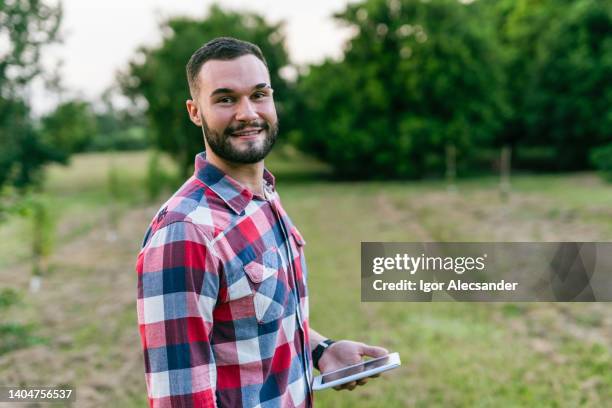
(255, 151)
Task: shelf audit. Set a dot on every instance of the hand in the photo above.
(344, 353)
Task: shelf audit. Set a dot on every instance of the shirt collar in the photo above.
(234, 194)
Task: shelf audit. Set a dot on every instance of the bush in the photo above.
(601, 157)
(134, 138)
(70, 126)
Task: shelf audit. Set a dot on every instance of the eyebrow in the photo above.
(229, 90)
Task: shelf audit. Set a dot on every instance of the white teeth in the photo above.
(252, 132)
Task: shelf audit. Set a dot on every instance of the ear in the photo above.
(194, 112)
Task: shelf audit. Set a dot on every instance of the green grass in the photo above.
(454, 354)
(14, 336)
(79, 197)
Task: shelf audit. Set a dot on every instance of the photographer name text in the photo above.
(413, 264)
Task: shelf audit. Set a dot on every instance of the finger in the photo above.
(373, 351)
(362, 381)
(374, 376)
(348, 386)
(351, 386)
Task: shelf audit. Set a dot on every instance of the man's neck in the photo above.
(249, 175)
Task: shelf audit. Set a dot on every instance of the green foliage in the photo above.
(569, 105)
(23, 153)
(8, 297)
(558, 54)
(118, 129)
(419, 76)
(133, 138)
(158, 74)
(28, 25)
(416, 77)
(519, 25)
(70, 127)
(42, 232)
(14, 335)
(601, 158)
(40, 235)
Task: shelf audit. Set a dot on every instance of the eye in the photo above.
(259, 95)
(225, 99)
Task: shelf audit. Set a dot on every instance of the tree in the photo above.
(558, 57)
(118, 129)
(23, 152)
(158, 74)
(29, 25)
(519, 25)
(70, 127)
(569, 106)
(417, 77)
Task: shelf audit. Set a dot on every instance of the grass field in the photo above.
(454, 354)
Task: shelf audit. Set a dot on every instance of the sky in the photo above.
(100, 37)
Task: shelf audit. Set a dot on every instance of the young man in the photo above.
(222, 294)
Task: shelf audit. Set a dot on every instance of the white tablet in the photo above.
(355, 372)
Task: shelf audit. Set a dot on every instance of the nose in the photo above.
(246, 111)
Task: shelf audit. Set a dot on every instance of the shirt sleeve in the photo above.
(178, 284)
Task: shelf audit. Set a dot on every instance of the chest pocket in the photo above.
(268, 286)
(297, 237)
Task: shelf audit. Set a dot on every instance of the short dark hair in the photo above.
(221, 48)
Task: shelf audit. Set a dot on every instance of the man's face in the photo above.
(235, 109)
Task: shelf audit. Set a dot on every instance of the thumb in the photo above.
(373, 351)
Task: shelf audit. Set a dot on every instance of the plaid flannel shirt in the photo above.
(222, 298)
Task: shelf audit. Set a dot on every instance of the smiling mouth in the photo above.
(247, 132)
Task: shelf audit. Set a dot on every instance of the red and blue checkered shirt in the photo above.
(222, 298)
